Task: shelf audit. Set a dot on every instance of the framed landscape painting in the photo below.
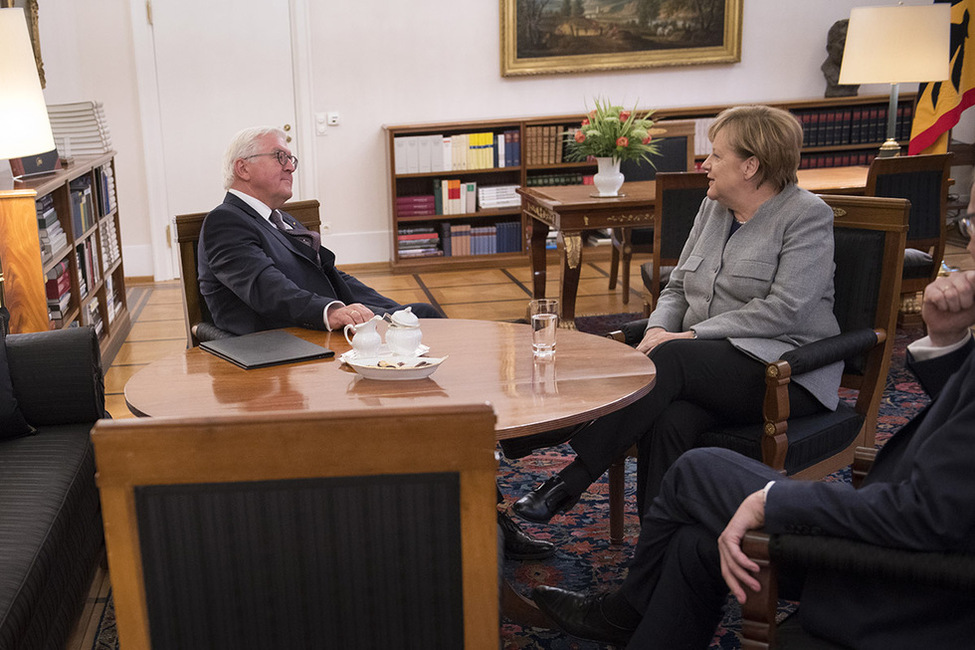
(560, 36)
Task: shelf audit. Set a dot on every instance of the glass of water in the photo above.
(544, 314)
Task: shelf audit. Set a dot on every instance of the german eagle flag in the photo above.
(941, 103)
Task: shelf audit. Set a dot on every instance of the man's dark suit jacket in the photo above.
(255, 277)
(920, 494)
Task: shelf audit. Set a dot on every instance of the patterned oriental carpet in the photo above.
(585, 559)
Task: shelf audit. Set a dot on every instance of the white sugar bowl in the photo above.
(403, 335)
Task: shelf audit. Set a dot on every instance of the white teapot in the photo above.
(366, 339)
(403, 335)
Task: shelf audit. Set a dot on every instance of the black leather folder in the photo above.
(262, 349)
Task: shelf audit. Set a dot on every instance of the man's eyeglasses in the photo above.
(282, 157)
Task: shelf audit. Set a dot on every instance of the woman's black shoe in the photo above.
(545, 501)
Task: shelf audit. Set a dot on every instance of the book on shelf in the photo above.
(460, 236)
(92, 316)
(453, 197)
(416, 205)
(446, 243)
(433, 252)
(435, 153)
(59, 304)
(499, 160)
(412, 156)
(498, 196)
(458, 154)
(57, 287)
(105, 183)
(513, 144)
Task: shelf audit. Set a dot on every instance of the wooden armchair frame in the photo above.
(188, 228)
(269, 452)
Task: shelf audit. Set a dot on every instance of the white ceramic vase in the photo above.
(608, 179)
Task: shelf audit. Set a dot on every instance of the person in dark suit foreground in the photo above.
(920, 495)
(256, 274)
(261, 269)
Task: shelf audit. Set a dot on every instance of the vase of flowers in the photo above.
(611, 134)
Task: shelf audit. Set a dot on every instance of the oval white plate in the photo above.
(398, 368)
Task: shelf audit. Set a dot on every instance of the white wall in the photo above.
(378, 62)
(87, 51)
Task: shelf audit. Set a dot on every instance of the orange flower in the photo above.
(580, 136)
(647, 139)
(622, 141)
(585, 121)
(624, 116)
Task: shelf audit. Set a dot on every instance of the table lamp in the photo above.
(25, 129)
(896, 45)
(24, 126)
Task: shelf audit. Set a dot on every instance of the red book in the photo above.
(56, 287)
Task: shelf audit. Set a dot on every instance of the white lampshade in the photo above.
(897, 44)
(24, 126)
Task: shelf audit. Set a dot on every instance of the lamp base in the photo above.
(889, 149)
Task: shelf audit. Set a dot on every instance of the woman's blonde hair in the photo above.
(772, 135)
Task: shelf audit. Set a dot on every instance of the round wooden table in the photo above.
(488, 361)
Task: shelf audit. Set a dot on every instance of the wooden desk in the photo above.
(571, 209)
(489, 361)
(834, 180)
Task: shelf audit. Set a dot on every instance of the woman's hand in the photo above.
(657, 335)
(948, 308)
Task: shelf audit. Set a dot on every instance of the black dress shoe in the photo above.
(545, 501)
(580, 615)
(519, 545)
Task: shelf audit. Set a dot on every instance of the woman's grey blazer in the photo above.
(768, 288)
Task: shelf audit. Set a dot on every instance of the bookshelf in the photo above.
(428, 162)
(60, 250)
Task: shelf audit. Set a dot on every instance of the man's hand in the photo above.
(352, 314)
(736, 569)
(948, 308)
(657, 335)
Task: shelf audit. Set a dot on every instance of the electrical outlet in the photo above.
(333, 118)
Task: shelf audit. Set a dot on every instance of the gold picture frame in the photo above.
(566, 36)
(30, 9)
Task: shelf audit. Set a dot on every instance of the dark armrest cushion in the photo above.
(57, 376)
(209, 332)
(826, 351)
(633, 331)
(948, 570)
(12, 422)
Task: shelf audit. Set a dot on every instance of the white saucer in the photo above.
(383, 353)
(396, 368)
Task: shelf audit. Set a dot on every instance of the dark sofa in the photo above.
(50, 521)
